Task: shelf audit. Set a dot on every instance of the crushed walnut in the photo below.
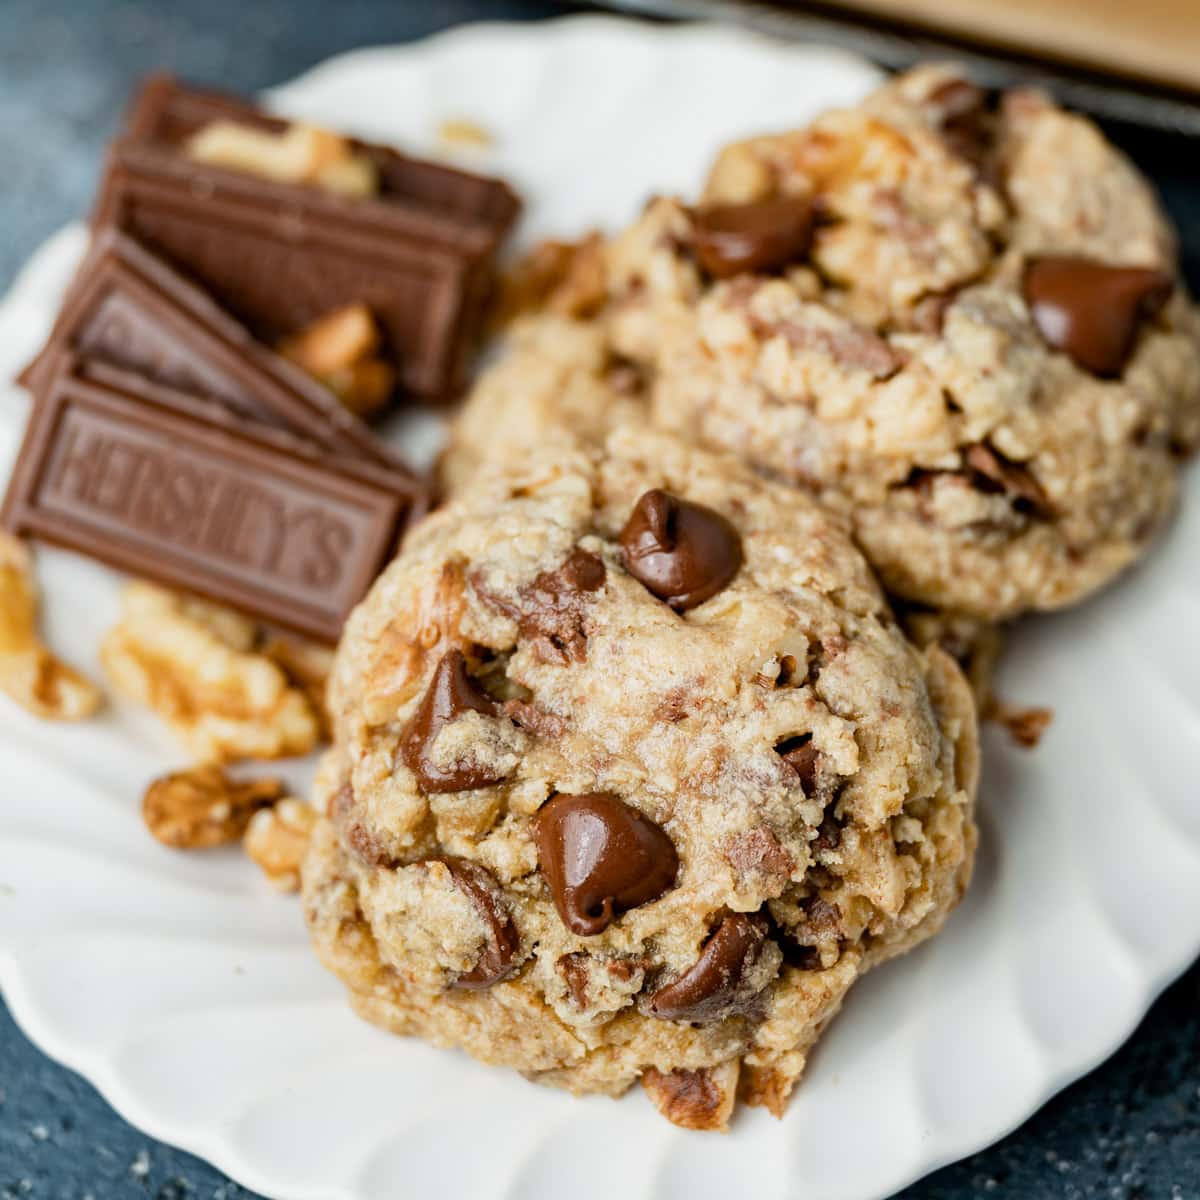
(204, 807)
(1025, 726)
(199, 667)
(29, 673)
(277, 839)
(300, 154)
(341, 349)
(457, 131)
(699, 1099)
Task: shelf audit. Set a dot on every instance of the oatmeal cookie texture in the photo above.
(557, 372)
(951, 315)
(633, 775)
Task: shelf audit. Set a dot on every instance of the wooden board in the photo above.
(1155, 40)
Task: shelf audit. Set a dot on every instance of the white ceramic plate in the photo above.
(185, 991)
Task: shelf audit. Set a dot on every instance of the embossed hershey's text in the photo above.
(193, 500)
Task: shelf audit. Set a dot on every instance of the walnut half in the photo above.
(29, 673)
(204, 807)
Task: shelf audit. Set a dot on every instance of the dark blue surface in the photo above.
(1130, 1131)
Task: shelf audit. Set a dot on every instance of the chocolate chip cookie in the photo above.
(954, 316)
(634, 774)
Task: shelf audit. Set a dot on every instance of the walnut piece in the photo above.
(29, 673)
(300, 154)
(700, 1099)
(1025, 725)
(277, 839)
(341, 350)
(457, 131)
(203, 807)
(568, 278)
(414, 638)
(197, 666)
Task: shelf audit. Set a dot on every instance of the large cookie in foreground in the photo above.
(952, 316)
(634, 775)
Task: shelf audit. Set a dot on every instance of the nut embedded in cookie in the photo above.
(702, 1099)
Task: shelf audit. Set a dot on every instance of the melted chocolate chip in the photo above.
(803, 757)
(498, 959)
(928, 316)
(829, 833)
(1091, 310)
(1004, 475)
(758, 852)
(574, 971)
(823, 917)
(582, 571)
(535, 720)
(963, 112)
(601, 857)
(822, 922)
(708, 989)
(761, 236)
(451, 693)
(552, 609)
(357, 838)
(681, 552)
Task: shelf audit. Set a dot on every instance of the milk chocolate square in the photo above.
(171, 489)
(129, 308)
(279, 255)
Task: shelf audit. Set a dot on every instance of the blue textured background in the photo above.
(1130, 1131)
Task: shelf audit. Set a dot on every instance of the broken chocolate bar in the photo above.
(279, 255)
(175, 490)
(132, 310)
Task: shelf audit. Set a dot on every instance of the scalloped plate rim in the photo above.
(211, 1141)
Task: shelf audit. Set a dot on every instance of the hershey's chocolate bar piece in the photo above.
(165, 113)
(180, 492)
(129, 308)
(279, 256)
